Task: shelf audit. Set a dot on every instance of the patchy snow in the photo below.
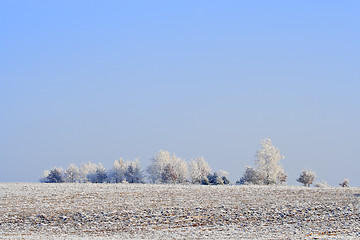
(146, 211)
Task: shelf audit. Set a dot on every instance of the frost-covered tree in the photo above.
(199, 169)
(91, 172)
(216, 179)
(133, 172)
(44, 176)
(167, 168)
(251, 176)
(345, 183)
(116, 174)
(268, 169)
(101, 174)
(224, 176)
(88, 172)
(169, 174)
(307, 177)
(268, 164)
(72, 174)
(54, 176)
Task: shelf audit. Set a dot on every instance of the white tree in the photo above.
(199, 170)
(53, 176)
(307, 177)
(167, 168)
(181, 169)
(251, 176)
(133, 172)
(72, 174)
(117, 172)
(43, 179)
(268, 164)
(88, 172)
(101, 174)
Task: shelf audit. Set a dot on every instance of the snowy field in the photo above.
(139, 211)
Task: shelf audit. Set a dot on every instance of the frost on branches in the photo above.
(129, 171)
(268, 169)
(307, 177)
(199, 170)
(53, 176)
(167, 168)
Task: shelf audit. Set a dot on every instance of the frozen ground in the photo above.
(136, 211)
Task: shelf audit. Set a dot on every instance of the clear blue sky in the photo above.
(98, 80)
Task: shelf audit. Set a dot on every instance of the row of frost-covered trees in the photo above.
(164, 168)
(168, 168)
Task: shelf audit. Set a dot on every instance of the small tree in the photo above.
(72, 174)
(54, 176)
(345, 183)
(268, 169)
(224, 176)
(101, 174)
(199, 169)
(251, 176)
(88, 172)
(268, 164)
(216, 179)
(46, 173)
(91, 172)
(133, 172)
(306, 177)
(117, 173)
(167, 168)
(169, 175)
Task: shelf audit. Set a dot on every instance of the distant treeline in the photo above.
(164, 168)
(167, 168)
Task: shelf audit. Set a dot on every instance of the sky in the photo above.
(98, 80)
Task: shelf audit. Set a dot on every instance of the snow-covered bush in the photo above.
(251, 176)
(268, 169)
(345, 183)
(72, 174)
(224, 176)
(166, 168)
(91, 172)
(215, 179)
(321, 184)
(307, 177)
(117, 173)
(199, 169)
(133, 172)
(101, 174)
(54, 176)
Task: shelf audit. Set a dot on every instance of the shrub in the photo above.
(306, 177)
(345, 183)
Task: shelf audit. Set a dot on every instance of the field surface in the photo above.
(139, 211)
